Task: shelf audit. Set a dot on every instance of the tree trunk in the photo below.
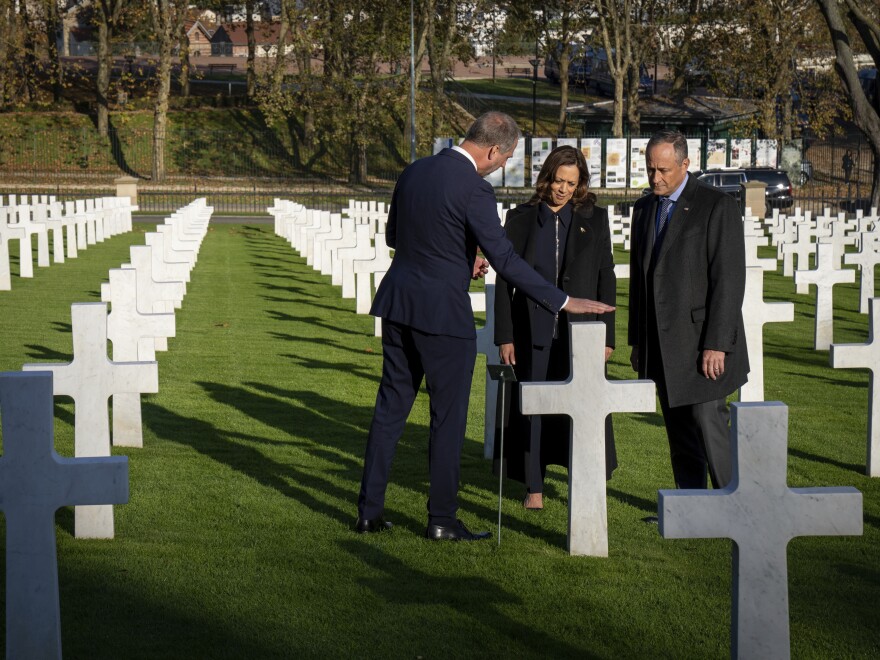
(633, 112)
(252, 49)
(564, 65)
(864, 114)
(6, 38)
(160, 112)
(52, 29)
(184, 62)
(102, 79)
(617, 126)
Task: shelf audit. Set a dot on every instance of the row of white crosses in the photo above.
(142, 295)
(349, 246)
(34, 480)
(72, 227)
(758, 489)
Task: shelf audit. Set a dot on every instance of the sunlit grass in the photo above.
(237, 541)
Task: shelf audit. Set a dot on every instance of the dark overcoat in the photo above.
(698, 282)
(587, 271)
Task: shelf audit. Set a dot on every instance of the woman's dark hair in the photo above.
(560, 156)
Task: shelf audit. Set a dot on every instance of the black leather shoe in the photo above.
(366, 526)
(455, 532)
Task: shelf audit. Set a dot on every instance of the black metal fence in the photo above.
(243, 172)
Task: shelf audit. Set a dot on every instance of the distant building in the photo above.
(199, 38)
(231, 40)
(708, 116)
(264, 10)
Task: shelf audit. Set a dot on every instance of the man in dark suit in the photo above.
(441, 211)
(687, 279)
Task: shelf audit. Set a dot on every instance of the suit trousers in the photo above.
(699, 438)
(447, 365)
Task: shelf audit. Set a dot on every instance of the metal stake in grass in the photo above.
(505, 374)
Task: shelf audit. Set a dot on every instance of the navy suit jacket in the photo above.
(440, 212)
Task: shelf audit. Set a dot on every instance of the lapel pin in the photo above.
(583, 231)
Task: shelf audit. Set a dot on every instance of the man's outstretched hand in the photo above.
(586, 306)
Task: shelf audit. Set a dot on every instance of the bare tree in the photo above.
(168, 18)
(843, 19)
(615, 27)
(107, 15)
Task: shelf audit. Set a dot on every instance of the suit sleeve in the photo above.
(725, 247)
(503, 311)
(607, 284)
(482, 220)
(391, 223)
(635, 278)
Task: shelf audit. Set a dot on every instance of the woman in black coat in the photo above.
(563, 235)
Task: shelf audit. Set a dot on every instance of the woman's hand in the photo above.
(506, 353)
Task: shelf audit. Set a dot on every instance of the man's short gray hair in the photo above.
(675, 138)
(493, 128)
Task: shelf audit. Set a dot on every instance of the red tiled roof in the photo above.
(236, 33)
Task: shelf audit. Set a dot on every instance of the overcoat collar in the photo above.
(579, 234)
(677, 221)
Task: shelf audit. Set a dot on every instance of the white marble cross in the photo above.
(323, 242)
(90, 379)
(756, 313)
(866, 259)
(34, 483)
(345, 258)
(151, 290)
(761, 514)
(5, 272)
(363, 273)
(165, 264)
(803, 248)
(752, 258)
(133, 336)
(824, 276)
(347, 239)
(311, 235)
(865, 356)
(588, 398)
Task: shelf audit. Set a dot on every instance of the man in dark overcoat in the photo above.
(687, 281)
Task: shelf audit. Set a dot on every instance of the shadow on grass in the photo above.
(315, 321)
(46, 354)
(653, 419)
(807, 456)
(301, 291)
(148, 625)
(229, 449)
(634, 501)
(474, 597)
(60, 326)
(321, 341)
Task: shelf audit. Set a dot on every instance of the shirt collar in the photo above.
(545, 214)
(466, 154)
(674, 196)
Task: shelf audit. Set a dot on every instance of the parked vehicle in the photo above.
(601, 80)
(579, 66)
(778, 193)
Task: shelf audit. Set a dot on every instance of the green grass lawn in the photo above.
(237, 541)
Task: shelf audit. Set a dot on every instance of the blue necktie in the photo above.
(665, 203)
(662, 221)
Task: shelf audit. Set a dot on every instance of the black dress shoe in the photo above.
(454, 532)
(367, 526)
